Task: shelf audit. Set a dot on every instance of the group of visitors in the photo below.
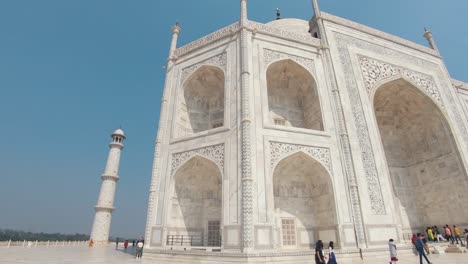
(320, 254)
(139, 246)
(450, 234)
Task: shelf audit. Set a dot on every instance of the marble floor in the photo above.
(108, 255)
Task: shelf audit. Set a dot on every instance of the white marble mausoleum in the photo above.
(272, 136)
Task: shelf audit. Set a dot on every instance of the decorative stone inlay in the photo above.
(276, 32)
(202, 42)
(343, 42)
(374, 71)
(270, 56)
(378, 33)
(215, 153)
(218, 60)
(279, 150)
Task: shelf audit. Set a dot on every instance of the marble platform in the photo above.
(104, 255)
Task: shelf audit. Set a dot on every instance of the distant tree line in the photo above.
(16, 235)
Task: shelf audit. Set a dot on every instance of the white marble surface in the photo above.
(66, 255)
(108, 254)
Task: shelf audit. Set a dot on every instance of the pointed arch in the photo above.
(196, 199)
(421, 155)
(293, 98)
(303, 200)
(201, 103)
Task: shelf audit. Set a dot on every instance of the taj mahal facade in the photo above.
(273, 136)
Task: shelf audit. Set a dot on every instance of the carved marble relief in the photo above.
(218, 60)
(379, 72)
(270, 56)
(279, 150)
(215, 153)
(374, 71)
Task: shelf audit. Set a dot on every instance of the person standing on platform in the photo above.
(117, 244)
(331, 253)
(393, 251)
(457, 233)
(448, 234)
(319, 258)
(139, 251)
(126, 244)
(420, 249)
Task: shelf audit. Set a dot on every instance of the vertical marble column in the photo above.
(246, 127)
(160, 138)
(342, 131)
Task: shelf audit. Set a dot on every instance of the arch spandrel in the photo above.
(213, 153)
(279, 151)
(377, 73)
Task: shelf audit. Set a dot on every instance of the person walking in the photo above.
(319, 258)
(139, 250)
(448, 234)
(331, 253)
(457, 233)
(117, 244)
(393, 251)
(126, 244)
(430, 234)
(420, 249)
(426, 247)
(466, 237)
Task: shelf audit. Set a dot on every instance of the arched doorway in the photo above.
(428, 178)
(292, 96)
(201, 106)
(304, 202)
(196, 204)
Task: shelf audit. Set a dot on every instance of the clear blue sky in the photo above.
(73, 71)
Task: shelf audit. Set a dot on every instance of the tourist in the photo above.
(426, 247)
(126, 244)
(331, 254)
(413, 240)
(139, 250)
(133, 243)
(117, 244)
(457, 233)
(448, 234)
(439, 236)
(393, 253)
(319, 258)
(430, 234)
(420, 249)
(466, 237)
(91, 243)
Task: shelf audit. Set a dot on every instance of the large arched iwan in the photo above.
(428, 179)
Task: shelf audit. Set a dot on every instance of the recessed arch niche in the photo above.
(303, 196)
(196, 199)
(292, 96)
(201, 104)
(428, 178)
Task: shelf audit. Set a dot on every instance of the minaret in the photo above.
(430, 39)
(105, 203)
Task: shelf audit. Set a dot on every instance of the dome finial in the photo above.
(278, 14)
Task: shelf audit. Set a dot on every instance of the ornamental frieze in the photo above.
(279, 150)
(215, 153)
